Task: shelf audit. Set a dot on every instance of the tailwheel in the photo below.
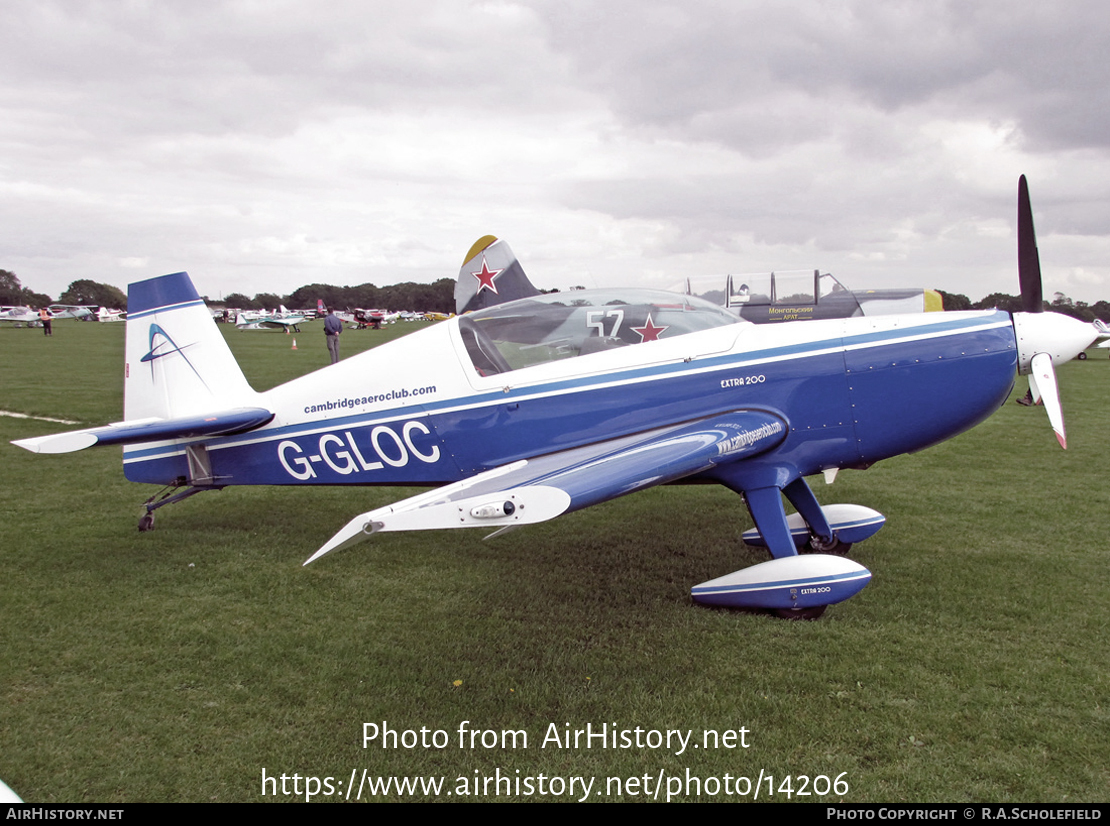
(800, 613)
(819, 545)
(146, 523)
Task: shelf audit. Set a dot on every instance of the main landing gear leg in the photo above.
(823, 538)
(765, 505)
(766, 508)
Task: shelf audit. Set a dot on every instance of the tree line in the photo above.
(1012, 303)
(83, 291)
(438, 296)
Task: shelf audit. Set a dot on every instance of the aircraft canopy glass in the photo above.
(565, 325)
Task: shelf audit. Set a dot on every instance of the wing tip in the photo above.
(69, 442)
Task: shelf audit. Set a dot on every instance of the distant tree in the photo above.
(1076, 309)
(84, 291)
(954, 301)
(33, 299)
(999, 301)
(366, 296)
(239, 302)
(438, 296)
(435, 297)
(268, 301)
(306, 297)
(11, 291)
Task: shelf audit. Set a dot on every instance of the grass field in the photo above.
(177, 665)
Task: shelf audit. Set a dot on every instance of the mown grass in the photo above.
(177, 664)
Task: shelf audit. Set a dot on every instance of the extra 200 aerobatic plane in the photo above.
(537, 407)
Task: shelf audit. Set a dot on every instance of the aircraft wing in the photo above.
(138, 431)
(535, 490)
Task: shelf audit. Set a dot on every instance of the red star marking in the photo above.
(649, 332)
(485, 277)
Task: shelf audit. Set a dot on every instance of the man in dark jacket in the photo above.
(332, 328)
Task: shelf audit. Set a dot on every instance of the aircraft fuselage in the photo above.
(415, 411)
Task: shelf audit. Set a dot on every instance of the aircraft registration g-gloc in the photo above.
(536, 407)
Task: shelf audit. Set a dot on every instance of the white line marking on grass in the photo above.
(37, 418)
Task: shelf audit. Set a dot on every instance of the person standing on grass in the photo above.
(332, 328)
(45, 317)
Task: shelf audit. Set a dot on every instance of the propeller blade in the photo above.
(1034, 391)
(1029, 261)
(1043, 378)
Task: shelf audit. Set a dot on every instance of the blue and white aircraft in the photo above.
(530, 409)
(282, 319)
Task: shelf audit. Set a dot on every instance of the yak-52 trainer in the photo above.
(497, 276)
(530, 409)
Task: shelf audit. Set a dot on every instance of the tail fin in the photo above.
(180, 379)
(490, 275)
(177, 362)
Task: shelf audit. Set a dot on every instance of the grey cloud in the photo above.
(686, 67)
(265, 68)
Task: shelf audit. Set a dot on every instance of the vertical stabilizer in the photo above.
(177, 362)
(490, 275)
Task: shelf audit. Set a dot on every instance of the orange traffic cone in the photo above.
(294, 344)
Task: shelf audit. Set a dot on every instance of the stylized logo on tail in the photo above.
(167, 347)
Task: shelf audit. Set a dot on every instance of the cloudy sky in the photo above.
(266, 144)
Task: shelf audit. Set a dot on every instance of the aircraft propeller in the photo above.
(1029, 260)
(1044, 339)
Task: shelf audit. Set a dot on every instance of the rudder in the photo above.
(177, 362)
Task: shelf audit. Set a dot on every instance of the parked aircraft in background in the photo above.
(281, 319)
(80, 311)
(491, 274)
(19, 315)
(27, 315)
(805, 295)
(548, 404)
(369, 318)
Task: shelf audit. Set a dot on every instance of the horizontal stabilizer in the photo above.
(151, 430)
